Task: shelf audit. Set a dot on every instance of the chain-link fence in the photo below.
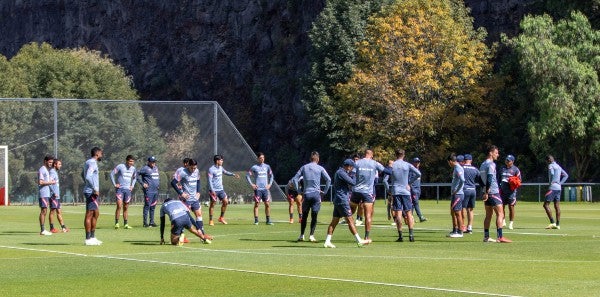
(170, 131)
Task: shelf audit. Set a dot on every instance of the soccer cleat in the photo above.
(456, 235)
(400, 239)
(65, 230)
(510, 226)
(368, 240)
(363, 242)
(329, 245)
(503, 240)
(312, 239)
(470, 231)
(301, 238)
(95, 241)
(411, 238)
(487, 239)
(46, 233)
(54, 230)
(127, 226)
(291, 221)
(206, 241)
(422, 219)
(557, 227)
(222, 221)
(551, 226)
(146, 225)
(153, 225)
(211, 223)
(256, 223)
(185, 240)
(90, 242)
(270, 223)
(117, 226)
(358, 223)
(181, 239)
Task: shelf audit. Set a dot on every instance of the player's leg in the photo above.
(126, 200)
(119, 206)
(146, 210)
(224, 204)
(557, 209)
(211, 207)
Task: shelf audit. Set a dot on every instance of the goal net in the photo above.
(4, 175)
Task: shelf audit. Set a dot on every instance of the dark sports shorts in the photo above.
(493, 200)
(43, 202)
(262, 195)
(456, 204)
(123, 194)
(217, 194)
(509, 199)
(54, 203)
(552, 195)
(402, 203)
(362, 197)
(193, 205)
(311, 201)
(91, 201)
(291, 195)
(180, 223)
(342, 210)
(469, 199)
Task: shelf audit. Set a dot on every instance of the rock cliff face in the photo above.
(249, 55)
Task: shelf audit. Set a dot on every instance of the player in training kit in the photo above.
(187, 185)
(456, 196)
(400, 177)
(91, 192)
(342, 185)
(44, 183)
(363, 191)
(491, 196)
(149, 179)
(125, 181)
(311, 174)
(55, 198)
(263, 179)
(415, 190)
(509, 196)
(215, 188)
(556, 177)
(294, 197)
(470, 191)
(389, 199)
(180, 219)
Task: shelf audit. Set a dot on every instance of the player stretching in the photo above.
(342, 185)
(556, 176)
(124, 183)
(263, 179)
(491, 196)
(187, 185)
(215, 188)
(180, 219)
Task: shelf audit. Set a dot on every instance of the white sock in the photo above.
(357, 237)
(328, 238)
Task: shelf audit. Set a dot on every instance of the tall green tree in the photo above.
(560, 62)
(417, 82)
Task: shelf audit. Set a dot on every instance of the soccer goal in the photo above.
(4, 175)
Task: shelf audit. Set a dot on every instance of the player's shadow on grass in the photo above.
(41, 243)
(19, 232)
(143, 242)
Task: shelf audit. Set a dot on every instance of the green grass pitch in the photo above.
(249, 260)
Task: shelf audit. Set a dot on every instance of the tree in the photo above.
(417, 82)
(560, 62)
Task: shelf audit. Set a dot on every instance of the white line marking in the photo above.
(265, 272)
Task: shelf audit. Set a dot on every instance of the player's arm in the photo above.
(270, 177)
(564, 176)
(112, 177)
(175, 185)
(296, 179)
(249, 179)
(348, 179)
(327, 180)
(209, 180)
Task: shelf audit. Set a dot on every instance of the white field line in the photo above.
(265, 272)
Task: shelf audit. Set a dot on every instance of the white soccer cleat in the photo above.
(358, 223)
(90, 242)
(488, 239)
(301, 238)
(456, 235)
(46, 233)
(551, 226)
(363, 242)
(510, 226)
(98, 242)
(312, 239)
(329, 245)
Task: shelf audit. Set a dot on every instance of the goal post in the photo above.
(4, 175)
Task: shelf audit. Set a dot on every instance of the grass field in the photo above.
(249, 260)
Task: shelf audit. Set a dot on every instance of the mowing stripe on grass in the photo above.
(262, 272)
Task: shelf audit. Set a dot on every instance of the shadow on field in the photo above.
(143, 242)
(39, 243)
(19, 232)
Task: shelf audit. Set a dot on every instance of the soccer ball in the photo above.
(206, 203)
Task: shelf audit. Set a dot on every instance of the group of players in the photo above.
(353, 192)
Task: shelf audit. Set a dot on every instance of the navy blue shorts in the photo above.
(469, 199)
(402, 203)
(217, 194)
(362, 197)
(262, 195)
(193, 205)
(54, 203)
(91, 201)
(509, 199)
(493, 200)
(123, 194)
(457, 202)
(552, 195)
(311, 201)
(180, 223)
(43, 202)
(342, 210)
